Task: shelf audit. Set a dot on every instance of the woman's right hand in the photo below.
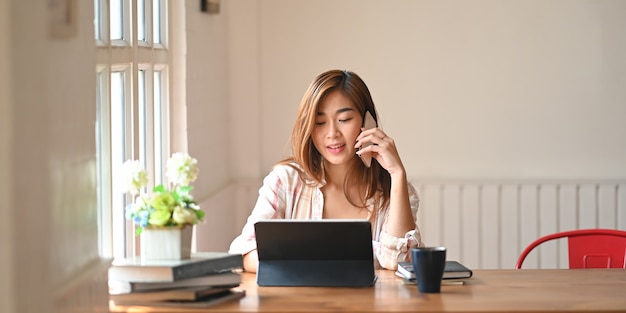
(251, 261)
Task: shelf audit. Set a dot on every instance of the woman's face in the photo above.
(337, 125)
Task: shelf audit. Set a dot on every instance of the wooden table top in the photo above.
(588, 290)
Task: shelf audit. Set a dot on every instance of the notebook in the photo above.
(453, 270)
(329, 253)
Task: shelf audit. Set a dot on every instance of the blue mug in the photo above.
(428, 264)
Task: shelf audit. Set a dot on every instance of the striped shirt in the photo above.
(284, 195)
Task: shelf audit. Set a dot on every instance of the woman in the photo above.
(325, 178)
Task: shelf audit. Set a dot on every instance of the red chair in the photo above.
(588, 248)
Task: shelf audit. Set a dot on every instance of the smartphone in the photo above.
(368, 122)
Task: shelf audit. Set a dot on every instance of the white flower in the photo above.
(167, 205)
(182, 169)
(134, 177)
(184, 216)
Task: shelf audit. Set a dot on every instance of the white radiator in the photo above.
(486, 225)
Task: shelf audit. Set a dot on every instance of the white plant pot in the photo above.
(166, 243)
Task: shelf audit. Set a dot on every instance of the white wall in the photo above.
(50, 151)
(7, 263)
(29, 154)
(244, 73)
(469, 89)
(207, 98)
(206, 91)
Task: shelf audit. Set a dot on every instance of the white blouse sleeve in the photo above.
(390, 249)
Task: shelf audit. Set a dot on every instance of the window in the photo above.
(133, 106)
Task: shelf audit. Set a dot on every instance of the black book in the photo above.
(453, 270)
(200, 264)
(177, 294)
(201, 302)
(212, 280)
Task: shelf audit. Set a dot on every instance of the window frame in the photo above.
(137, 61)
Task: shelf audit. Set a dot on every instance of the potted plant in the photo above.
(165, 216)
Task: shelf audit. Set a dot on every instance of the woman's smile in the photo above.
(336, 148)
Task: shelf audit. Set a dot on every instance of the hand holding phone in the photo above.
(368, 122)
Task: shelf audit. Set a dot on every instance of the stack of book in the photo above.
(454, 273)
(206, 279)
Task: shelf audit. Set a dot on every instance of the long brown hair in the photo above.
(373, 182)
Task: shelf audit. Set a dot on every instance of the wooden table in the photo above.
(589, 290)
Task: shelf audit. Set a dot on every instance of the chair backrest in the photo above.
(588, 248)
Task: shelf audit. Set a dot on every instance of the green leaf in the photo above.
(185, 189)
(159, 188)
(176, 196)
(199, 214)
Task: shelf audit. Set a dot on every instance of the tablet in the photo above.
(333, 252)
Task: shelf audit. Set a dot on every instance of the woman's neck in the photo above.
(335, 196)
(334, 174)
